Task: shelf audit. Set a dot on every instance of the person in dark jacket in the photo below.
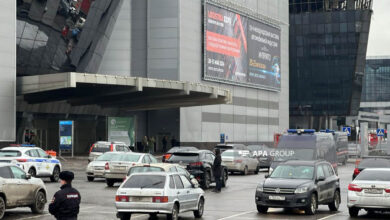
(65, 204)
(217, 170)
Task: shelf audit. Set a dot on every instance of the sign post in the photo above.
(380, 132)
(66, 129)
(347, 130)
(121, 129)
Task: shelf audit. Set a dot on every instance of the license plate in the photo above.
(373, 191)
(278, 198)
(141, 199)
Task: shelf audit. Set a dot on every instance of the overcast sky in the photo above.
(379, 37)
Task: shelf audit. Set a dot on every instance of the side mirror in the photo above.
(266, 176)
(194, 183)
(28, 176)
(320, 178)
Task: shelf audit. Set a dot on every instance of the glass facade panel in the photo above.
(376, 83)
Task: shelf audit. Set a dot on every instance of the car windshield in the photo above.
(145, 169)
(177, 149)
(145, 181)
(10, 153)
(293, 172)
(128, 158)
(374, 175)
(374, 163)
(108, 157)
(102, 148)
(184, 157)
(293, 154)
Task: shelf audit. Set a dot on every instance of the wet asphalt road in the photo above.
(235, 202)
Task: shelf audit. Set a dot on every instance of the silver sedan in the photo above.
(95, 169)
(159, 193)
(240, 161)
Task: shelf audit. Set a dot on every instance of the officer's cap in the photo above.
(67, 175)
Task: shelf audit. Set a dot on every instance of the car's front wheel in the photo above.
(353, 212)
(207, 180)
(335, 204)
(2, 207)
(39, 203)
(224, 178)
(198, 213)
(245, 172)
(56, 175)
(175, 213)
(32, 172)
(312, 206)
(262, 209)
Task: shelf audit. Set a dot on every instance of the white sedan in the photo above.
(370, 190)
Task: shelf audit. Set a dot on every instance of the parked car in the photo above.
(159, 167)
(263, 155)
(102, 147)
(32, 160)
(370, 190)
(354, 150)
(158, 193)
(223, 147)
(199, 164)
(19, 189)
(305, 144)
(95, 169)
(116, 169)
(237, 161)
(341, 141)
(371, 162)
(300, 184)
(168, 154)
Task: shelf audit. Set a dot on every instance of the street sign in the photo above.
(348, 130)
(380, 132)
(222, 138)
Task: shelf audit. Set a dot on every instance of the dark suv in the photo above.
(300, 184)
(200, 165)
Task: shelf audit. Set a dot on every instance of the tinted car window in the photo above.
(320, 172)
(33, 153)
(18, 173)
(100, 148)
(374, 163)
(5, 172)
(293, 172)
(128, 158)
(119, 148)
(176, 149)
(10, 153)
(328, 170)
(179, 184)
(153, 159)
(171, 183)
(42, 153)
(374, 175)
(230, 153)
(185, 157)
(145, 169)
(108, 157)
(145, 181)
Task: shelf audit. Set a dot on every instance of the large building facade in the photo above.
(328, 43)
(161, 40)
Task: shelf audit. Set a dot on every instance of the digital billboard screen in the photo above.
(241, 50)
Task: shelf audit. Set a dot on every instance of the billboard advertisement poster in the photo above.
(263, 54)
(241, 50)
(226, 46)
(121, 129)
(66, 135)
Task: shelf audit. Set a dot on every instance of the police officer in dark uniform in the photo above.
(66, 202)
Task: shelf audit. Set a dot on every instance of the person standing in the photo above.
(217, 168)
(65, 204)
(145, 144)
(152, 142)
(164, 143)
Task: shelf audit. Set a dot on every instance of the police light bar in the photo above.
(301, 131)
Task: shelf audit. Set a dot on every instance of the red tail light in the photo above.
(122, 198)
(160, 199)
(21, 160)
(356, 171)
(387, 190)
(237, 161)
(111, 147)
(90, 149)
(196, 164)
(107, 167)
(354, 187)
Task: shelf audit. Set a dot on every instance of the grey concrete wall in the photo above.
(7, 70)
(255, 114)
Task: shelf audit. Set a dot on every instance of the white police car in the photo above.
(33, 160)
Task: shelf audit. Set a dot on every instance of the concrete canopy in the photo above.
(110, 91)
